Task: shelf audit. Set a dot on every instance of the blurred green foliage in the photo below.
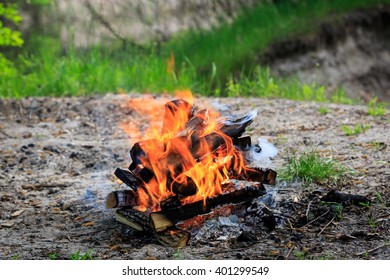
(9, 37)
(220, 61)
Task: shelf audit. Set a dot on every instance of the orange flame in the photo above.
(186, 152)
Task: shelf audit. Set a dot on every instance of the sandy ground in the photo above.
(57, 157)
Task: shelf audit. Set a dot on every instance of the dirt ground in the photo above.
(58, 155)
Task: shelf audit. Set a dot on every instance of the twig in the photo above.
(331, 221)
(289, 252)
(312, 221)
(289, 222)
(308, 209)
(6, 134)
(385, 244)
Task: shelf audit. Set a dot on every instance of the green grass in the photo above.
(376, 108)
(323, 111)
(354, 130)
(52, 256)
(79, 256)
(311, 167)
(261, 83)
(232, 47)
(219, 61)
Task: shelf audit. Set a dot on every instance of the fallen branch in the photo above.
(385, 244)
(326, 226)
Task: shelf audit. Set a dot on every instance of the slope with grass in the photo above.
(207, 62)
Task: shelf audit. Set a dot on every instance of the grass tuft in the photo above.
(311, 167)
(357, 129)
(79, 256)
(376, 108)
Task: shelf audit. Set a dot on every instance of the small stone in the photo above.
(17, 213)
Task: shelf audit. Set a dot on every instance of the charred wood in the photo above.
(262, 175)
(234, 128)
(176, 238)
(243, 143)
(163, 219)
(346, 199)
(133, 218)
(128, 178)
(185, 189)
(122, 198)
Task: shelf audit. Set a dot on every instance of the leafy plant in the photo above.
(357, 129)
(376, 108)
(372, 223)
(336, 208)
(79, 256)
(310, 167)
(52, 256)
(301, 255)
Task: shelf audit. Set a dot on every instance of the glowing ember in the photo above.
(187, 153)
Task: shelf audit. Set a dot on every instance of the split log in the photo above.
(128, 178)
(176, 238)
(122, 198)
(346, 199)
(162, 220)
(262, 175)
(133, 218)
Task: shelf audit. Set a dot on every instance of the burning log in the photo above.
(128, 178)
(162, 220)
(265, 176)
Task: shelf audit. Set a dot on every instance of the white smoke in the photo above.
(261, 155)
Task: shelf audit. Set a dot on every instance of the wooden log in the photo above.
(133, 218)
(243, 143)
(183, 190)
(176, 238)
(129, 178)
(162, 220)
(122, 198)
(261, 175)
(234, 128)
(170, 202)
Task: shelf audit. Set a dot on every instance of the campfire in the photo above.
(186, 168)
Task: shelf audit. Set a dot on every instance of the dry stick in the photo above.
(6, 134)
(289, 252)
(312, 221)
(326, 226)
(308, 209)
(373, 249)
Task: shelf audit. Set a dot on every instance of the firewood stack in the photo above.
(163, 179)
